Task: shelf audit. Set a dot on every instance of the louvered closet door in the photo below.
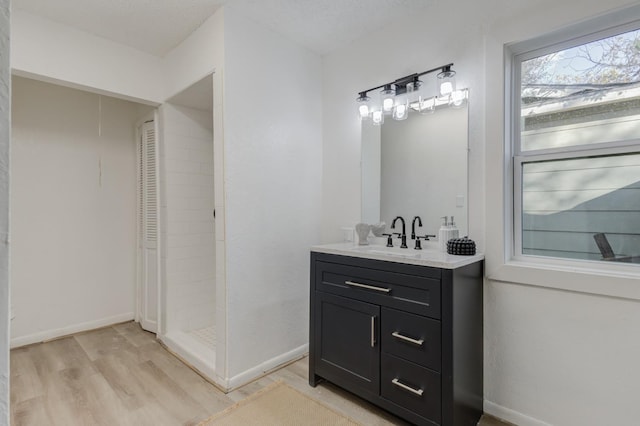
(148, 227)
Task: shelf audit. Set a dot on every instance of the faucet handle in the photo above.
(424, 237)
(389, 239)
(418, 244)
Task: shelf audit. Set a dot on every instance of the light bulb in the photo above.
(401, 107)
(445, 88)
(377, 117)
(363, 106)
(457, 98)
(400, 112)
(448, 82)
(387, 95)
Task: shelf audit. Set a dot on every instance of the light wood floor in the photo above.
(121, 375)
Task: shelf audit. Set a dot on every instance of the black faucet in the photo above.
(413, 226)
(403, 236)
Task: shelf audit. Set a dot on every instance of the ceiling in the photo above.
(157, 26)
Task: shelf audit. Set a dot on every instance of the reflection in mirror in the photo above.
(416, 167)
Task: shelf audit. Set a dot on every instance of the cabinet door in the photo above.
(347, 342)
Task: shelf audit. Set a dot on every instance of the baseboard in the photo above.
(266, 367)
(510, 415)
(71, 329)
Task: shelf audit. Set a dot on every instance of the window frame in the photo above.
(576, 35)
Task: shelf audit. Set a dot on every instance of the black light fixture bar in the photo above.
(401, 83)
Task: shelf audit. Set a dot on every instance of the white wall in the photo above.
(186, 159)
(551, 356)
(74, 210)
(5, 135)
(196, 57)
(53, 52)
(273, 172)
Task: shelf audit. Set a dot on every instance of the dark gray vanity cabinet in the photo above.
(405, 337)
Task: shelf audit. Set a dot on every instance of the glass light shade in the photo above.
(427, 106)
(414, 91)
(377, 117)
(401, 107)
(457, 98)
(387, 98)
(364, 106)
(447, 82)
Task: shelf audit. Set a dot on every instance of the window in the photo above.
(576, 147)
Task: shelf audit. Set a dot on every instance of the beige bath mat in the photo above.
(278, 405)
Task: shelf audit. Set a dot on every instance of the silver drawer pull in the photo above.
(407, 339)
(418, 392)
(373, 332)
(369, 287)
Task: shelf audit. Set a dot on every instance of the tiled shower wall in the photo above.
(186, 178)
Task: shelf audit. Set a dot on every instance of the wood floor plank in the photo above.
(122, 376)
(134, 334)
(123, 382)
(103, 342)
(177, 401)
(29, 412)
(200, 389)
(25, 382)
(251, 388)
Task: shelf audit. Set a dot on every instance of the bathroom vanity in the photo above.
(400, 328)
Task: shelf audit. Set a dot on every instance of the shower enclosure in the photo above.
(188, 253)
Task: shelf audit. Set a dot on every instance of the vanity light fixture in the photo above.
(405, 93)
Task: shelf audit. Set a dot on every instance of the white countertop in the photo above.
(428, 256)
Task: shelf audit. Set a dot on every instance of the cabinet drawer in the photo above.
(411, 386)
(411, 337)
(413, 293)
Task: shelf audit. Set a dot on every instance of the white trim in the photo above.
(72, 329)
(619, 282)
(512, 416)
(266, 367)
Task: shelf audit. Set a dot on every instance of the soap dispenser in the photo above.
(453, 231)
(443, 234)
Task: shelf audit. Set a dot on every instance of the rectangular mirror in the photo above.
(417, 167)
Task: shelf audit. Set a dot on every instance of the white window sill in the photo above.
(617, 280)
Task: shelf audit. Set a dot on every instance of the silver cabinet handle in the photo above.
(373, 331)
(407, 339)
(369, 287)
(397, 382)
